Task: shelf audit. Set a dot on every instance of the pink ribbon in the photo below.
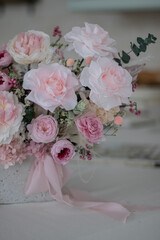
(46, 175)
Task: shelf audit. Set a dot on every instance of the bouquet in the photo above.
(54, 107)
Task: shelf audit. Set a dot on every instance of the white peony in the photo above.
(110, 84)
(91, 41)
(29, 47)
(11, 115)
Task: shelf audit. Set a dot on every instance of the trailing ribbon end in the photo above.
(46, 175)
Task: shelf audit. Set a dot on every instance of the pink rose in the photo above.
(4, 82)
(90, 127)
(91, 41)
(52, 86)
(110, 84)
(62, 151)
(5, 57)
(43, 129)
(29, 47)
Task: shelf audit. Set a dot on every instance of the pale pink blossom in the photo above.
(12, 153)
(43, 129)
(52, 86)
(11, 115)
(91, 41)
(4, 82)
(118, 120)
(88, 60)
(5, 57)
(110, 84)
(90, 127)
(62, 151)
(29, 47)
(70, 62)
(37, 149)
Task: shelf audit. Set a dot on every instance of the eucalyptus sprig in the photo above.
(138, 48)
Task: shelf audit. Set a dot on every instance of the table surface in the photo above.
(110, 182)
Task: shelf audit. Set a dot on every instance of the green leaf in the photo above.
(81, 105)
(125, 57)
(118, 61)
(76, 112)
(135, 49)
(140, 40)
(151, 36)
(142, 47)
(70, 115)
(29, 114)
(56, 115)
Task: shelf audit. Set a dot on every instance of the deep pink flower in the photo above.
(57, 32)
(43, 129)
(62, 151)
(5, 57)
(90, 127)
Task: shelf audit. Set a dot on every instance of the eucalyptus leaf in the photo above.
(135, 49)
(125, 57)
(118, 61)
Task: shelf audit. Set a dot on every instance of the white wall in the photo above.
(124, 27)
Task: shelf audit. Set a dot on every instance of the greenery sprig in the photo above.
(138, 48)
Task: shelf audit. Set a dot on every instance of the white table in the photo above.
(111, 182)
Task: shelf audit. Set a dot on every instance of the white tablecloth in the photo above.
(111, 182)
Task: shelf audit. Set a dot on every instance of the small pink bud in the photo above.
(70, 62)
(88, 60)
(118, 120)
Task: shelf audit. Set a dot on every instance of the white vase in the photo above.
(12, 185)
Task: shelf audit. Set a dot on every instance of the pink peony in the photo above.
(29, 47)
(90, 127)
(110, 84)
(4, 82)
(43, 129)
(62, 151)
(11, 115)
(52, 86)
(91, 41)
(5, 57)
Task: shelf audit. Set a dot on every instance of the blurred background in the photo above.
(125, 20)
